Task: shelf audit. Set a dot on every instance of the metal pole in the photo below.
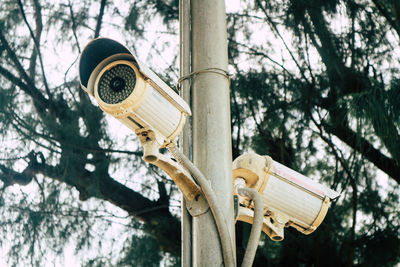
(211, 124)
(184, 60)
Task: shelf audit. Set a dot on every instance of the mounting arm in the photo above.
(190, 190)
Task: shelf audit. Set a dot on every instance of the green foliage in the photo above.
(303, 110)
(141, 12)
(131, 22)
(141, 251)
(376, 254)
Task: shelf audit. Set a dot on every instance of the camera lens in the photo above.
(116, 84)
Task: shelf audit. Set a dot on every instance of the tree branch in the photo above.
(275, 29)
(11, 177)
(100, 18)
(73, 25)
(361, 145)
(28, 88)
(384, 12)
(255, 52)
(36, 40)
(156, 216)
(38, 34)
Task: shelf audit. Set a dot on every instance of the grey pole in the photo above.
(184, 60)
(211, 124)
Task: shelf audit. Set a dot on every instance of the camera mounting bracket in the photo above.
(273, 223)
(195, 201)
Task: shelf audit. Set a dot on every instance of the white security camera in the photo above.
(128, 90)
(290, 198)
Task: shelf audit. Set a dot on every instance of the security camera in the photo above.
(290, 198)
(127, 89)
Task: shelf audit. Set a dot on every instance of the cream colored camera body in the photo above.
(127, 89)
(290, 198)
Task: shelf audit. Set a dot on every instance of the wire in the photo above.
(220, 221)
(255, 233)
(212, 70)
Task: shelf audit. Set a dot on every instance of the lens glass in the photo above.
(116, 84)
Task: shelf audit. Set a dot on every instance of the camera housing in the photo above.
(290, 198)
(127, 89)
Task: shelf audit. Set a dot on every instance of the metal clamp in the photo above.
(195, 201)
(273, 223)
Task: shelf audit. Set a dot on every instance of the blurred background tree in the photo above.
(315, 86)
